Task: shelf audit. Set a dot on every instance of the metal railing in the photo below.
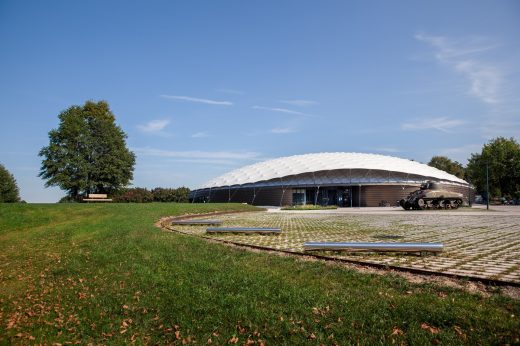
(359, 246)
(196, 222)
(243, 230)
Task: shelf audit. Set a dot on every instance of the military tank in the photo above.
(431, 196)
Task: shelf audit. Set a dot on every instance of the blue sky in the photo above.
(203, 87)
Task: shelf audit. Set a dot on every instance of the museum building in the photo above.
(342, 179)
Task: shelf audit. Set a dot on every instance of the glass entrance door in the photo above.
(299, 197)
(346, 197)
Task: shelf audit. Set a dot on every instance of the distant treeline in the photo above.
(143, 195)
(159, 194)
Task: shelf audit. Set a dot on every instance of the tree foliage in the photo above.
(8, 189)
(159, 194)
(503, 157)
(446, 164)
(87, 153)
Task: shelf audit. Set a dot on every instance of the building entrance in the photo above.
(340, 196)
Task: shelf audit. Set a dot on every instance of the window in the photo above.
(298, 197)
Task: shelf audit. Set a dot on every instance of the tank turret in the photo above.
(431, 196)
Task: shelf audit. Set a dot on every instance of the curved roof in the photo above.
(299, 164)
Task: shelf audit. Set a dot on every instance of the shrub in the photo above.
(178, 195)
(134, 195)
(159, 194)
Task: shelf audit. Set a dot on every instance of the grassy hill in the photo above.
(105, 274)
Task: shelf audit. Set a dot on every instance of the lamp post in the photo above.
(469, 191)
(487, 185)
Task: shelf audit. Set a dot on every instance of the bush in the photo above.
(179, 195)
(159, 194)
(134, 195)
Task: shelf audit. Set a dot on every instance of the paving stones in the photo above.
(481, 246)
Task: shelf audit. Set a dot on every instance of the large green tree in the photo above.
(446, 164)
(8, 189)
(503, 157)
(87, 153)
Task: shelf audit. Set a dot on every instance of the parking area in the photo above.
(478, 243)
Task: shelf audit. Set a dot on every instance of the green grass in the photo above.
(309, 207)
(104, 274)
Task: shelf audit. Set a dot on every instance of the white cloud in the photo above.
(300, 103)
(154, 126)
(197, 100)
(200, 135)
(198, 154)
(443, 124)
(485, 80)
(281, 110)
(464, 57)
(283, 130)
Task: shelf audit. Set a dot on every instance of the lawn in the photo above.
(104, 274)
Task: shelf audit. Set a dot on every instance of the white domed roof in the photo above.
(299, 164)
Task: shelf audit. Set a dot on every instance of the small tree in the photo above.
(8, 189)
(87, 153)
(447, 165)
(502, 156)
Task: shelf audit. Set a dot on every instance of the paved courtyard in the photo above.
(477, 243)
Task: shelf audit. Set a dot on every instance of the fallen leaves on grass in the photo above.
(460, 332)
(320, 311)
(240, 329)
(429, 328)
(233, 340)
(397, 331)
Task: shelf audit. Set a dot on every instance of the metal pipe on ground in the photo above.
(244, 230)
(197, 222)
(359, 246)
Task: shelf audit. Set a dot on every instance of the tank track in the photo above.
(432, 203)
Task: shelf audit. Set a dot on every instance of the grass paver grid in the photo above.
(475, 246)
